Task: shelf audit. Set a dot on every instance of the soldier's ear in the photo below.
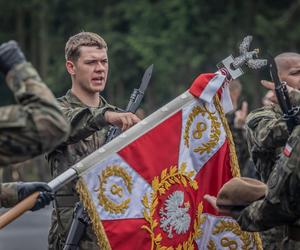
(70, 67)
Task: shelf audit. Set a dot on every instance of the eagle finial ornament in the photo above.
(250, 58)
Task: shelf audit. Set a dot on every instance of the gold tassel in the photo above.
(235, 169)
(93, 214)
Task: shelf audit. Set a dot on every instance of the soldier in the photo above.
(267, 132)
(89, 115)
(31, 127)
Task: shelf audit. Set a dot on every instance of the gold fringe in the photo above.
(93, 214)
(235, 169)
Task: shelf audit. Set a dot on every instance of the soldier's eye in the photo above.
(295, 73)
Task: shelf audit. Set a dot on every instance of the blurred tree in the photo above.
(182, 39)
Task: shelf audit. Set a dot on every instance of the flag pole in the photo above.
(102, 153)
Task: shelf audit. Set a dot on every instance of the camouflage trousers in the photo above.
(272, 238)
(59, 229)
(288, 244)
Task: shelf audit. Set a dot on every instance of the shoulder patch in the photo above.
(287, 150)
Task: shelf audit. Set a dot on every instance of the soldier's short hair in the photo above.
(73, 45)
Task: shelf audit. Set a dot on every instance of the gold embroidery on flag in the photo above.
(231, 244)
(160, 185)
(225, 226)
(115, 189)
(200, 128)
(211, 245)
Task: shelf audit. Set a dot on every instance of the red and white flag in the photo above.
(149, 194)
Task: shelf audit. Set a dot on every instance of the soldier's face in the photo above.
(291, 72)
(90, 70)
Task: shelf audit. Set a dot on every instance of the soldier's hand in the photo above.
(122, 120)
(241, 115)
(26, 189)
(212, 200)
(10, 55)
(271, 86)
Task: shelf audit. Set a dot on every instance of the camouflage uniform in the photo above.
(88, 133)
(33, 126)
(281, 206)
(266, 135)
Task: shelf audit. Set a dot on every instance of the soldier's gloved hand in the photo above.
(26, 189)
(43, 200)
(10, 55)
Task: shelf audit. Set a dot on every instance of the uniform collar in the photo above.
(72, 99)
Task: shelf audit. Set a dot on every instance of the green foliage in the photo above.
(181, 39)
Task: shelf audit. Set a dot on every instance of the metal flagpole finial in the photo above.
(250, 58)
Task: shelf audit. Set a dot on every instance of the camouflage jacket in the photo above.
(282, 203)
(88, 133)
(267, 133)
(31, 127)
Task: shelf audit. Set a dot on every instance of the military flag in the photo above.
(149, 193)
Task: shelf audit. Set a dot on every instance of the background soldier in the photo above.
(89, 115)
(31, 127)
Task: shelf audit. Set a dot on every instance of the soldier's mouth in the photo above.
(99, 79)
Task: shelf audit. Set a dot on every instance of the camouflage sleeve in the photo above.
(266, 129)
(282, 203)
(85, 121)
(35, 124)
(8, 194)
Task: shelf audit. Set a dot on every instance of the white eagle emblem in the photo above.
(176, 216)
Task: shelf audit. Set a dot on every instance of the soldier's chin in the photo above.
(98, 87)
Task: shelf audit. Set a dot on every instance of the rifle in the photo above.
(80, 217)
(290, 112)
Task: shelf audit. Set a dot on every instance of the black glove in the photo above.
(10, 55)
(26, 189)
(43, 200)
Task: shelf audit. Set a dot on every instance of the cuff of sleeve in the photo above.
(8, 194)
(18, 75)
(99, 116)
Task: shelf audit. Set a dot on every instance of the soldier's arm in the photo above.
(266, 128)
(13, 192)
(84, 121)
(282, 203)
(35, 124)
